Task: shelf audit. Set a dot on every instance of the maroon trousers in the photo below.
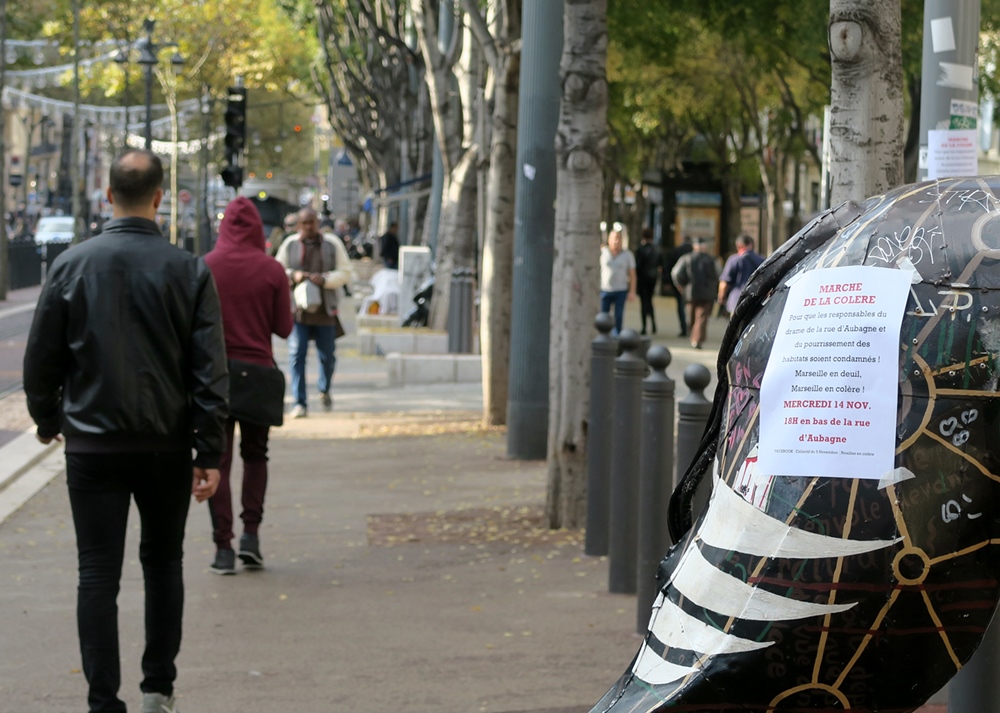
(253, 451)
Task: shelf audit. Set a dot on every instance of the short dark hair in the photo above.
(647, 233)
(134, 181)
(744, 241)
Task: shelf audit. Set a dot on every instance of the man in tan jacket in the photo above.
(311, 256)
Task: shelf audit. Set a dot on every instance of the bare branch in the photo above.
(457, 41)
(482, 33)
(427, 35)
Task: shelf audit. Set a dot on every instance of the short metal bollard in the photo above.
(460, 308)
(692, 416)
(656, 469)
(624, 495)
(602, 383)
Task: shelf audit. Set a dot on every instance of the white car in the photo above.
(54, 229)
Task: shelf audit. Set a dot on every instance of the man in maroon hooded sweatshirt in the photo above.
(253, 292)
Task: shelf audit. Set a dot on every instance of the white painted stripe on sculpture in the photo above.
(678, 629)
(652, 669)
(698, 580)
(732, 523)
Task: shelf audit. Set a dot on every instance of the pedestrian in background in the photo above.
(670, 258)
(618, 282)
(310, 256)
(253, 292)
(698, 274)
(737, 272)
(389, 247)
(647, 271)
(126, 359)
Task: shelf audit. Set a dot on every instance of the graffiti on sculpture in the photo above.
(830, 553)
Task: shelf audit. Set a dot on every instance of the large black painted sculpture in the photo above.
(845, 594)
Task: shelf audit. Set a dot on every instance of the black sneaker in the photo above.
(250, 552)
(225, 561)
(326, 400)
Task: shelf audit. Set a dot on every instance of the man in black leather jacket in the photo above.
(126, 360)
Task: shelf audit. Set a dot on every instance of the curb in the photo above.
(26, 466)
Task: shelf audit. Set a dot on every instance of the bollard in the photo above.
(464, 311)
(693, 412)
(453, 308)
(602, 382)
(465, 307)
(460, 307)
(692, 417)
(656, 470)
(459, 284)
(468, 306)
(623, 534)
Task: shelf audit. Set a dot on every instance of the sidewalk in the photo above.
(408, 568)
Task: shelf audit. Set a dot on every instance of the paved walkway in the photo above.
(408, 568)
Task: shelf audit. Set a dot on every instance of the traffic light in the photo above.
(232, 176)
(236, 136)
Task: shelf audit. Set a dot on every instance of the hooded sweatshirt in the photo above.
(252, 285)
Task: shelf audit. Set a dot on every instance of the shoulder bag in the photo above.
(256, 393)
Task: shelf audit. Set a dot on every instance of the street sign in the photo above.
(15, 179)
(184, 196)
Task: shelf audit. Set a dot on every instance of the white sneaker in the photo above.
(158, 703)
(299, 411)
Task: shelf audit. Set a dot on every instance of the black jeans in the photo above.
(646, 289)
(100, 489)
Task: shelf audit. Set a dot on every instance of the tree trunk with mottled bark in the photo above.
(498, 41)
(866, 98)
(456, 241)
(456, 246)
(581, 144)
(498, 244)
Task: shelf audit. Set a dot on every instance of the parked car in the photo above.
(54, 229)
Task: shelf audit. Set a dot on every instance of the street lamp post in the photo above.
(148, 51)
(122, 59)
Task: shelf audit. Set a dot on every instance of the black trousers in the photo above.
(101, 487)
(645, 290)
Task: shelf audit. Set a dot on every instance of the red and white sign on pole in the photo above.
(184, 196)
(828, 396)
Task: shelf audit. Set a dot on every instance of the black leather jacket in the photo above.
(126, 351)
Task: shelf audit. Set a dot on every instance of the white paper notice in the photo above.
(942, 35)
(957, 76)
(952, 152)
(828, 396)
